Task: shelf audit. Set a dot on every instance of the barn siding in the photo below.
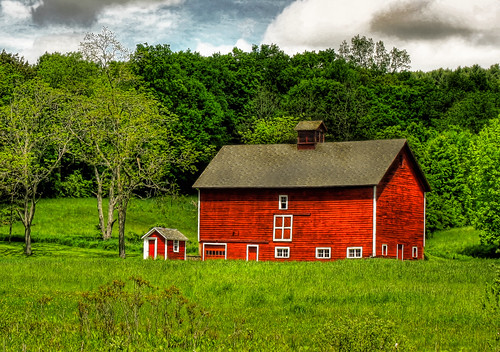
(325, 217)
(400, 209)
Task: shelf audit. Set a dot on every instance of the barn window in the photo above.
(414, 252)
(354, 252)
(283, 202)
(282, 252)
(282, 228)
(323, 253)
(176, 246)
(384, 250)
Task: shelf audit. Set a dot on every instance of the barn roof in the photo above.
(169, 234)
(339, 164)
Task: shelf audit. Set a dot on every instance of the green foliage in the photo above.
(485, 182)
(271, 131)
(75, 186)
(121, 318)
(368, 333)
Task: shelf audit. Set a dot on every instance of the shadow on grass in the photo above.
(486, 251)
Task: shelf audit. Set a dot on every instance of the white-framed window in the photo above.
(176, 246)
(323, 252)
(354, 252)
(282, 230)
(283, 202)
(414, 252)
(282, 252)
(384, 250)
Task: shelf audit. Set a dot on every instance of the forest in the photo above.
(114, 125)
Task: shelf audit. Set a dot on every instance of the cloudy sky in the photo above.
(436, 33)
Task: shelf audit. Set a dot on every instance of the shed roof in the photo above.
(310, 126)
(169, 234)
(339, 164)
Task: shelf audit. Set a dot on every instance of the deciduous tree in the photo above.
(34, 136)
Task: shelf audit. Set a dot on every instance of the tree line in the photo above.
(102, 122)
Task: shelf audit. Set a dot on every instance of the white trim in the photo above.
(199, 202)
(354, 248)
(425, 206)
(286, 202)
(324, 248)
(283, 228)
(374, 234)
(214, 244)
(173, 246)
(281, 257)
(256, 246)
(414, 252)
(385, 250)
(146, 247)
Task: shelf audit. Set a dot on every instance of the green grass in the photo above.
(50, 301)
(73, 223)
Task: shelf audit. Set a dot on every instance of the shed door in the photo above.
(152, 247)
(252, 253)
(215, 251)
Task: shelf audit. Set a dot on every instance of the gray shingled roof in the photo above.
(338, 164)
(169, 234)
(309, 125)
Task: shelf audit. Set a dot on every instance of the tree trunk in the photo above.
(29, 213)
(106, 228)
(122, 216)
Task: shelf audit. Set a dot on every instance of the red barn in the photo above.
(313, 200)
(164, 243)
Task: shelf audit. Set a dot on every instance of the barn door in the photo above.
(401, 248)
(253, 253)
(214, 251)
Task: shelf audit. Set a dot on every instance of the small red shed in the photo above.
(164, 243)
(313, 200)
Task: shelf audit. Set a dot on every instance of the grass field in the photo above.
(85, 298)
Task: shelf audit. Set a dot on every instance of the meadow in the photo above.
(81, 296)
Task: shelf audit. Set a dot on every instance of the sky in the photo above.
(435, 33)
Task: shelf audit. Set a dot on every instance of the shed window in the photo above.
(414, 252)
(176, 245)
(282, 252)
(323, 253)
(354, 252)
(283, 202)
(282, 228)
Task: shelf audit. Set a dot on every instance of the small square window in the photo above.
(323, 253)
(283, 202)
(384, 250)
(282, 252)
(354, 252)
(176, 246)
(414, 252)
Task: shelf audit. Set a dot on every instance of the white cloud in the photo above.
(15, 10)
(208, 49)
(436, 33)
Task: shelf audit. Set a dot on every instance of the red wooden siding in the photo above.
(400, 210)
(335, 218)
(160, 246)
(176, 255)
